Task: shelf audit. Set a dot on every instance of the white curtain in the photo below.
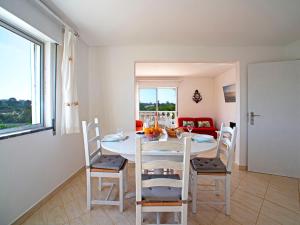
(70, 104)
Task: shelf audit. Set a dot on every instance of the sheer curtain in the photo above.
(70, 104)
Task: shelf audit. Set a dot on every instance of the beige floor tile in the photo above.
(265, 220)
(56, 216)
(68, 206)
(285, 185)
(289, 200)
(97, 216)
(254, 186)
(248, 200)
(205, 214)
(115, 215)
(243, 214)
(74, 209)
(279, 214)
(36, 219)
(222, 219)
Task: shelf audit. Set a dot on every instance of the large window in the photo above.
(162, 101)
(21, 80)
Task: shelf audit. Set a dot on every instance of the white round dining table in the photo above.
(126, 148)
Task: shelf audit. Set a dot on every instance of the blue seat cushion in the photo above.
(208, 165)
(109, 162)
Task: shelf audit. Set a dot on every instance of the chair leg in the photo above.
(138, 215)
(100, 184)
(227, 194)
(157, 218)
(184, 214)
(194, 191)
(125, 178)
(121, 190)
(88, 189)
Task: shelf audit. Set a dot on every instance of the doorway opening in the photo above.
(176, 90)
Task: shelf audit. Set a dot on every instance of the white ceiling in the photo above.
(183, 22)
(181, 69)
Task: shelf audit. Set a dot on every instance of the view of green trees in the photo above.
(161, 106)
(14, 113)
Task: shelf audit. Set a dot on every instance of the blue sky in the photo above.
(15, 76)
(164, 94)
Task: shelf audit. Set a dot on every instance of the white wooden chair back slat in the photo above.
(162, 182)
(163, 146)
(94, 139)
(89, 150)
(227, 137)
(231, 147)
(183, 166)
(162, 164)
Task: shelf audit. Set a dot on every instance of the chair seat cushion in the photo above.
(208, 165)
(161, 194)
(109, 162)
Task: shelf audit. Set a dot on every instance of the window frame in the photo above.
(156, 94)
(12, 132)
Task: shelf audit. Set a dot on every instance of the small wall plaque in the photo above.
(197, 96)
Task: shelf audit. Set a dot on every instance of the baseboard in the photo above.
(34, 208)
(244, 168)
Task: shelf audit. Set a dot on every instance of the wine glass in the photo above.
(178, 133)
(120, 131)
(190, 128)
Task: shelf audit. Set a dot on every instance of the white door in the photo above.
(274, 118)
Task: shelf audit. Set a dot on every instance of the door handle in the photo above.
(251, 117)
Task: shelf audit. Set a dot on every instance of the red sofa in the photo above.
(199, 130)
(138, 125)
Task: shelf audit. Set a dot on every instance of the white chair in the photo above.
(158, 192)
(102, 166)
(215, 167)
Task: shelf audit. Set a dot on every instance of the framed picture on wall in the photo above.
(229, 93)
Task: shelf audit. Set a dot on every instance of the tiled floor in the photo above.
(256, 199)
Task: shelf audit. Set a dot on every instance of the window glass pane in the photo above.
(20, 90)
(147, 99)
(166, 99)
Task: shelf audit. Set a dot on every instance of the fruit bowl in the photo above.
(172, 131)
(153, 134)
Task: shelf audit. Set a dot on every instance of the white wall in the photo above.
(186, 105)
(292, 51)
(112, 84)
(33, 165)
(224, 111)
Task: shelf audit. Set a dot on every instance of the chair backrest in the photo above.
(91, 139)
(142, 148)
(227, 138)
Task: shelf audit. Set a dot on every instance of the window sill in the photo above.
(23, 132)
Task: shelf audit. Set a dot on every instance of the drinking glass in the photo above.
(190, 128)
(120, 131)
(178, 134)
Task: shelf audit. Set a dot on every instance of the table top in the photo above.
(126, 148)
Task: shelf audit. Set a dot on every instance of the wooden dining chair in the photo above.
(215, 167)
(102, 166)
(159, 192)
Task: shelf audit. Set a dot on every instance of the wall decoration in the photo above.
(229, 93)
(197, 96)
